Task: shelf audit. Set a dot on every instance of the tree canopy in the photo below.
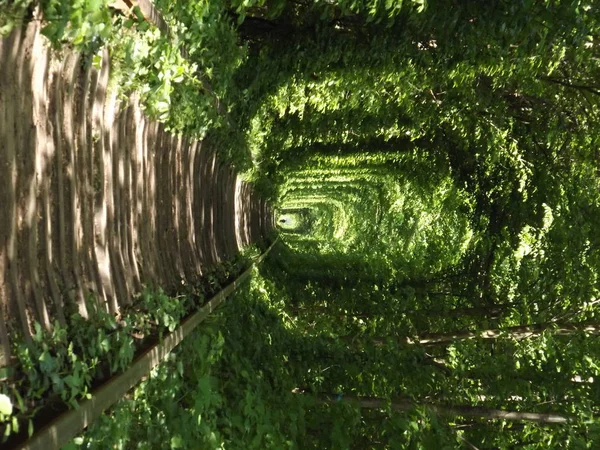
(435, 167)
(444, 157)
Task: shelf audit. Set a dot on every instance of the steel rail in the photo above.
(66, 426)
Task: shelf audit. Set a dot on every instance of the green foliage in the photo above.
(447, 160)
(436, 164)
(183, 78)
(237, 383)
(61, 365)
(200, 105)
(174, 408)
(158, 69)
(13, 12)
(85, 24)
(225, 386)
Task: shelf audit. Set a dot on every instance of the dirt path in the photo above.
(95, 199)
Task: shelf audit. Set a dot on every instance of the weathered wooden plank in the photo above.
(71, 423)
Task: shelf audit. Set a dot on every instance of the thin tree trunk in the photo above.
(517, 332)
(494, 312)
(562, 82)
(591, 328)
(489, 312)
(400, 405)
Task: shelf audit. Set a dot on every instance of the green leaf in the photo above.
(38, 336)
(47, 362)
(138, 13)
(105, 345)
(6, 406)
(176, 441)
(72, 381)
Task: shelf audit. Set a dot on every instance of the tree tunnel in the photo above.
(431, 171)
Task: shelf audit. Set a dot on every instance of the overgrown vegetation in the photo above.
(435, 164)
(182, 76)
(61, 366)
(271, 372)
(86, 24)
(227, 386)
(446, 158)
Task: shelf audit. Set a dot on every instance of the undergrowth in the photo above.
(61, 366)
(228, 385)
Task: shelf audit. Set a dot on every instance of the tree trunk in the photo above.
(566, 83)
(591, 328)
(517, 332)
(402, 404)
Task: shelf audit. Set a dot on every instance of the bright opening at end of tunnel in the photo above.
(409, 217)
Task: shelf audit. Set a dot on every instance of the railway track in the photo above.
(66, 426)
(96, 200)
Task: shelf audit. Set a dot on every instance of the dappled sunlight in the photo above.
(372, 208)
(433, 171)
(98, 200)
